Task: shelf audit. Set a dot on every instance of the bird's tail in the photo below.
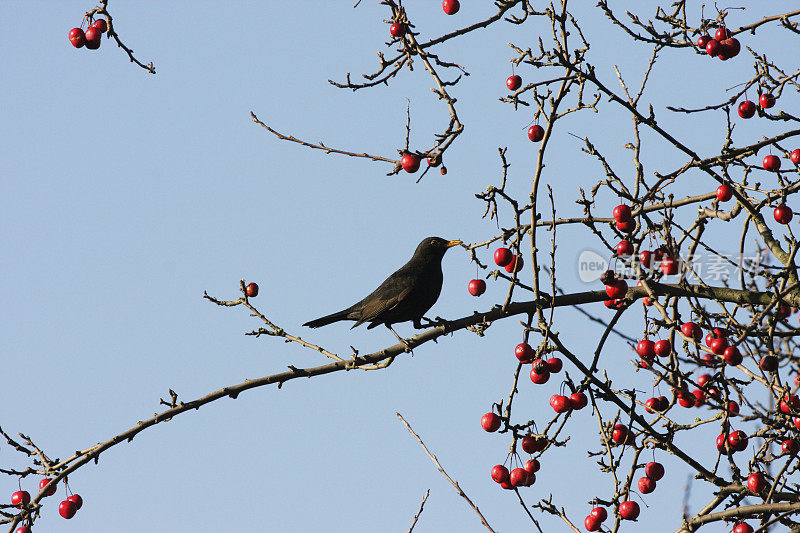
(328, 319)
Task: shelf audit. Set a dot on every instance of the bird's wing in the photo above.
(386, 297)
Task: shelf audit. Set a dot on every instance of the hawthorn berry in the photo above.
(77, 500)
(251, 290)
(747, 109)
(732, 356)
(617, 289)
(662, 348)
(500, 474)
(536, 133)
(397, 29)
(646, 349)
(20, 498)
(524, 352)
(652, 405)
(646, 485)
(532, 466)
(529, 444)
(699, 397)
(722, 443)
(790, 403)
(669, 265)
(724, 192)
(794, 156)
(23, 529)
(518, 477)
(514, 82)
(560, 403)
(490, 422)
(685, 399)
(50, 489)
(451, 7)
(733, 408)
(712, 47)
(768, 363)
(702, 41)
(790, 447)
(629, 510)
(646, 258)
(620, 433)
(626, 227)
(782, 214)
(93, 38)
(703, 379)
(515, 265)
(503, 257)
(624, 249)
(766, 100)
(410, 162)
(756, 482)
(591, 523)
(101, 25)
(600, 513)
(742, 527)
(692, 330)
(771, 163)
(719, 345)
(554, 365)
(77, 37)
(476, 287)
(622, 213)
(654, 470)
(737, 440)
(67, 509)
(540, 378)
(729, 48)
(578, 400)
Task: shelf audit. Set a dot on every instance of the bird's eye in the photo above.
(434, 242)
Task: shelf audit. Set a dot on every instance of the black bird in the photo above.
(405, 295)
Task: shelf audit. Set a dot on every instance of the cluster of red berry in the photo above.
(91, 38)
(66, 508)
(722, 46)
(503, 257)
(523, 476)
(410, 162)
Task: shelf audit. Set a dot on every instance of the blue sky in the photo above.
(126, 195)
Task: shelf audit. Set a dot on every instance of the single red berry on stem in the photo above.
(451, 7)
(782, 214)
(771, 163)
(540, 378)
(646, 485)
(252, 290)
(67, 509)
(503, 256)
(77, 37)
(702, 41)
(578, 400)
(77, 500)
(23, 529)
(51, 489)
(662, 348)
(712, 47)
(737, 440)
(732, 355)
(591, 523)
(397, 29)
(490, 422)
(617, 289)
(536, 133)
(622, 213)
(747, 109)
(20, 498)
(554, 365)
(518, 477)
(476, 287)
(669, 265)
(722, 34)
(756, 482)
(600, 513)
(790, 447)
(724, 192)
(101, 25)
(560, 403)
(532, 466)
(692, 330)
(524, 352)
(500, 474)
(768, 363)
(620, 433)
(742, 527)
(766, 100)
(729, 48)
(515, 265)
(625, 249)
(93, 38)
(514, 82)
(629, 510)
(410, 162)
(654, 470)
(794, 156)
(646, 349)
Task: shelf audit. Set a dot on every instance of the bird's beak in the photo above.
(453, 243)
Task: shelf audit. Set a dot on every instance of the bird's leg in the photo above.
(429, 323)
(402, 340)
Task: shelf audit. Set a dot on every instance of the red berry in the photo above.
(756, 482)
(67, 509)
(506, 485)
(669, 265)
(722, 34)
(560, 403)
(397, 29)
(652, 405)
(733, 408)
(724, 192)
(692, 330)
(790, 403)
(451, 7)
(629, 510)
(702, 41)
(712, 47)
(500, 474)
(646, 485)
(729, 48)
(554, 365)
(490, 422)
(766, 100)
(252, 290)
(790, 447)
(513, 82)
(578, 400)
(685, 399)
(622, 213)
(617, 289)
(23, 529)
(796, 421)
(624, 249)
(101, 25)
(524, 352)
(540, 378)
(529, 444)
(536, 133)
(703, 379)
(518, 477)
(77, 37)
(742, 527)
(591, 523)
(782, 214)
(600, 513)
(662, 348)
(410, 162)
(646, 349)
(732, 355)
(795, 156)
(515, 265)
(699, 397)
(435, 160)
(476, 287)
(722, 443)
(646, 258)
(20, 498)
(614, 304)
(626, 227)
(77, 500)
(737, 440)
(664, 403)
(620, 433)
(532, 466)
(93, 38)
(747, 109)
(654, 470)
(771, 163)
(51, 489)
(768, 363)
(503, 257)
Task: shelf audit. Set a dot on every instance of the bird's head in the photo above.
(434, 247)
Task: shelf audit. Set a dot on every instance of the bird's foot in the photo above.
(438, 321)
(402, 340)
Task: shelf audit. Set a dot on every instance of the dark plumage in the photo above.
(405, 295)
